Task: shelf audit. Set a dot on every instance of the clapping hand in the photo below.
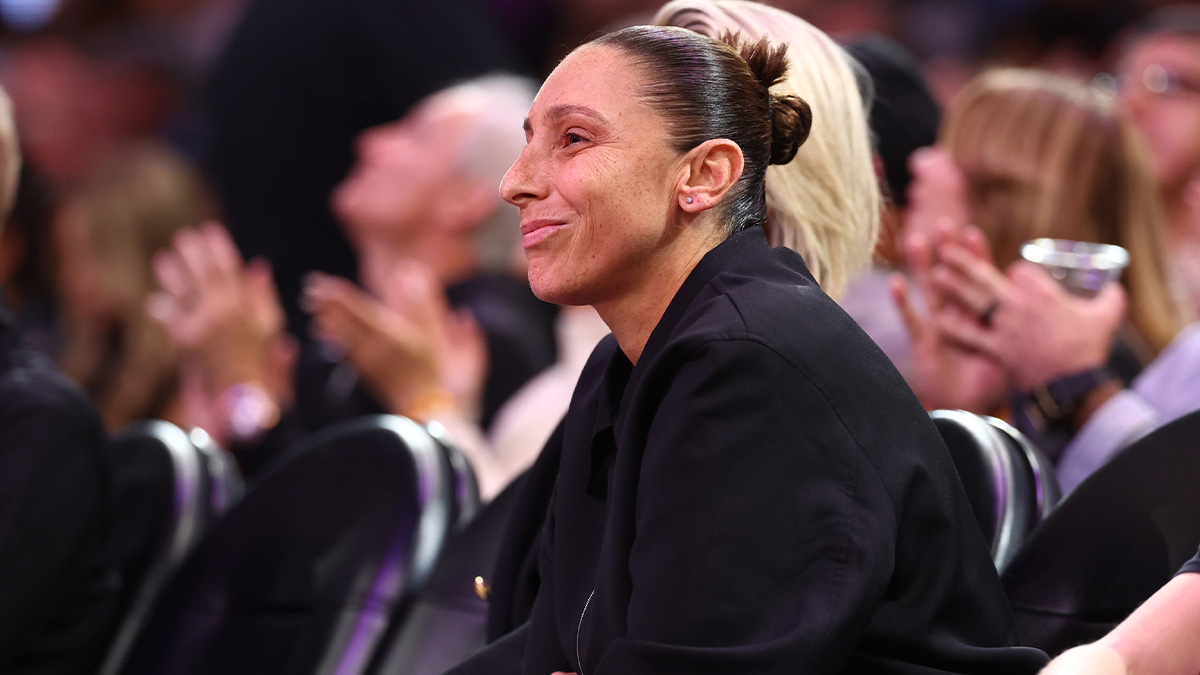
(225, 317)
(410, 348)
(1023, 319)
(946, 374)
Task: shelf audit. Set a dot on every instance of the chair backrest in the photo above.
(996, 477)
(446, 621)
(165, 496)
(222, 479)
(302, 574)
(1045, 480)
(465, 487)
(1112, 542)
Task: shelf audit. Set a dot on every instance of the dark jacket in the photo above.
(57, 593)
(762, 493)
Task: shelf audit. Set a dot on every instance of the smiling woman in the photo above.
(746, 484)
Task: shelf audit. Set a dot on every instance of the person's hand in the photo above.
(1093, 659)
(937, 195)
(411, 350)
(946, 375)
(225, 317)
(1024, 320)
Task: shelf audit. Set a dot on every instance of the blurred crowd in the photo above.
(261, 217)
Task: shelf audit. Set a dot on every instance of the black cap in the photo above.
(904, 115)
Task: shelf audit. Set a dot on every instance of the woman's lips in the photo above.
(535, 232)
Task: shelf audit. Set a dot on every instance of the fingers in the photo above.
(223, 254)
(343, 313)
(414, 291)
(899, 287)
(966, 331)
(162, 309)
(1112, 302)
(198, 261)
(971, 282)
(974, 240)
(172, 275)
(263, 296)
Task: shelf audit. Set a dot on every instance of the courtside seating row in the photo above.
(356, 553)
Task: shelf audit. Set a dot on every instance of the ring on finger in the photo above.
(985, 317)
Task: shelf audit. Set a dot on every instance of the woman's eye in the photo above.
(571, 139)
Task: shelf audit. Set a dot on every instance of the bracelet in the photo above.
(429, 403)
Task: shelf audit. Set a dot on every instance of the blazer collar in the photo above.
(746, 243)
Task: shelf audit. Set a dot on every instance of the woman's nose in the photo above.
(521, 182)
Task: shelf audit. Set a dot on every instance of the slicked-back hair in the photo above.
(707, 89)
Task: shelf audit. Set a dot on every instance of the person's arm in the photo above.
(764, 538)
(1163, 391)
(1159, 638)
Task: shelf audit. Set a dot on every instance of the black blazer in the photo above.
(58, 590)
(762, 493)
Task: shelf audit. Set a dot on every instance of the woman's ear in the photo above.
(710, 170)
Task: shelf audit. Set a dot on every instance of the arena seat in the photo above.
(303, 574)
(1111, 543)
(1006, 493)
(168, 487)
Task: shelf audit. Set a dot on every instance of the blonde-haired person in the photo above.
(1033, 154)
(106, 233)
(825, 203)
(1047, 156)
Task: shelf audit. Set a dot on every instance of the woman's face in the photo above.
(1161, 90)
(85, 291)
(596, 184)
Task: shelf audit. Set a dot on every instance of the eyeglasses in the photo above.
(1162, 80)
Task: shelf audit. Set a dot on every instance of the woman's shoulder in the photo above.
(781, 307)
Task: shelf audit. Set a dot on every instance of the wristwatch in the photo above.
(1058, 399)
(249, 413)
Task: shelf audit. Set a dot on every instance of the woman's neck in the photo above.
(632, 316)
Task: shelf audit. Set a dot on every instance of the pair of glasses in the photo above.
(1162, 80)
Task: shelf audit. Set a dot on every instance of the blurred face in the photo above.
(1160, 87)
(595, 184)
(83, 287)
(403, 168)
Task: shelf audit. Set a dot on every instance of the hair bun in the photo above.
(791, 120)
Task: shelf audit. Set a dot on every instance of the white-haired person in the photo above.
(435, 244)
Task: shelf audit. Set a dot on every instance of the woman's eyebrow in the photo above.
(556, 113)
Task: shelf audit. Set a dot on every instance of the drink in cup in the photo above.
(1082, 267)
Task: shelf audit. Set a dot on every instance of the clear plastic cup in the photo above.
(1082, 267)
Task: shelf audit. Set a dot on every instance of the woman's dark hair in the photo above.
(706, 88)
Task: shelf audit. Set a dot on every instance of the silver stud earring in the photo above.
(689, 200)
